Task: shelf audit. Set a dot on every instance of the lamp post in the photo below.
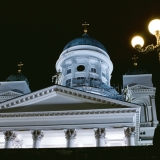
(138, 42)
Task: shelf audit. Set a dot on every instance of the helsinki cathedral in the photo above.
(81, 109)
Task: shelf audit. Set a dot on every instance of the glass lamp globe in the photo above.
(137, 41)
(154, 26)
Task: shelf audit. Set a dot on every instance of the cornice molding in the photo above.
(67, 113)
(142, 90)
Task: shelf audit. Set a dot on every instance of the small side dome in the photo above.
(17, 77)
(85, 40)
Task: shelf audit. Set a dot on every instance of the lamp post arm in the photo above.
(149, 48)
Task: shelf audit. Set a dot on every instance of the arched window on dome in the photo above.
(80, 77)
(103, 74)
(93, 70)
(69, 71)
(80, 80)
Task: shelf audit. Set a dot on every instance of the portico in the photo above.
(92, 121)
(58, 139)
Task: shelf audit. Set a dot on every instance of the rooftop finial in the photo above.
(135, 60)
(20, 67)
(85, 27)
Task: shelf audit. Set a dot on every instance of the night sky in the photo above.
(35, 33)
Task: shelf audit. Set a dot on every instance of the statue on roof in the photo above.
(127, 93)
(57, 78)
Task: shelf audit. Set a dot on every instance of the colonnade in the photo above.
(87, 64)
(70, 135)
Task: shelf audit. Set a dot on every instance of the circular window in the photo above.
(80, 68)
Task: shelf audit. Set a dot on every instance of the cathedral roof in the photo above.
(85, 40)
(17, 77)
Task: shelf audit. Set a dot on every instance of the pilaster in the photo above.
(130, 136)
(154, 114)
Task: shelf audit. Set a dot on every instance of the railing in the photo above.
(79, 81)
(96, 83)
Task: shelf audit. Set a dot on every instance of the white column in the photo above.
(100, 137)
(9, 137)
(154, 114)
(130, 136)
(37, 136)
(70, 135)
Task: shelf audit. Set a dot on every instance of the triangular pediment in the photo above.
(141, 87)
(11, 93)
(61, 98)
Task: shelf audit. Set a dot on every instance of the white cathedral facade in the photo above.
(81, 109)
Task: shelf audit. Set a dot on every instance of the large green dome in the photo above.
(17, 77)
(85, 40)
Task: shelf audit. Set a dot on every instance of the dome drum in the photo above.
(84, 54)
(79, 68)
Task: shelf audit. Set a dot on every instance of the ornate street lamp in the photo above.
(138, 42)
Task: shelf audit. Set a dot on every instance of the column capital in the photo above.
(100, 132)
(152, 96)
(70, 133)
(9, 135)
(37, 134)
(129, 132)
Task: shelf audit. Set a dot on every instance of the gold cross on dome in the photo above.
(85, 27)
(135, 60)
(20, 67)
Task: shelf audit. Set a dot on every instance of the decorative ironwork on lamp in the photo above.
(138, 42)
